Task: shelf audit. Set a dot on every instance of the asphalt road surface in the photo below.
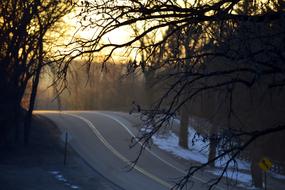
(102, 139)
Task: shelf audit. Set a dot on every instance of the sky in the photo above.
(117, 36)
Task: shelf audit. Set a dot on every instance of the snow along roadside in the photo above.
(198, 152)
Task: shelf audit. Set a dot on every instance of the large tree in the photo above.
(23, 47)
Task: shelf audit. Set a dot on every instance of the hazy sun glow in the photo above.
(118, 36)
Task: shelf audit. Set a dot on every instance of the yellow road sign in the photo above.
(265, 164)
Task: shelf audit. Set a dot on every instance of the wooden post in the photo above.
(65, 148)
(265, 181)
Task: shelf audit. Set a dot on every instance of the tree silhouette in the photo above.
(23, 27)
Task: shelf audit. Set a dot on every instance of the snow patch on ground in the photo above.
(169, 142)
(146, 129)
(234, 175)
(198, 148)
(199, 151)
(277, 176)
(240, 164)
(61, 178)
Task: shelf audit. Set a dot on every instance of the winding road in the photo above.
(102, 139)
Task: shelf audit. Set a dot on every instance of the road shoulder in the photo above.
(40, 165)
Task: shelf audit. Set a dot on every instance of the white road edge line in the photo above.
(133, 135)
(114, 151)
(128, 130)
(151, 152)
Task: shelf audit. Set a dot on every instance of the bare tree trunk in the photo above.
(9, 109)
(148, 87)
(16, 116)
(18, 112)
(256, 172)
(213, 144)
(28, 117)
(183, 132)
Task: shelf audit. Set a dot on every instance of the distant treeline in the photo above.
(110, 88)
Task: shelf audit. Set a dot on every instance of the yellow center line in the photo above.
(151, 152)
(120, 156)
(114, 151)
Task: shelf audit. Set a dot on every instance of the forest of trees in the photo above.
(221, 60)
(110, 89)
